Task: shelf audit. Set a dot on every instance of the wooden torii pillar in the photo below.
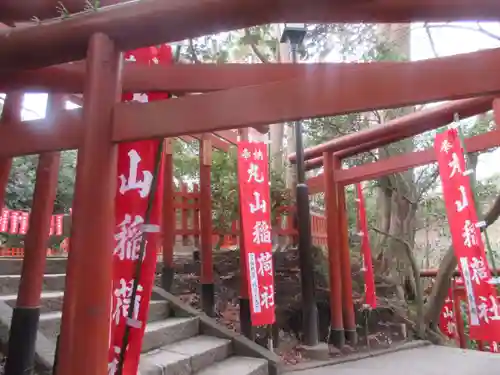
(26, 314)
(245, 312)
(336, 337)
(84, 340)
(345, 261)
(168, 219)
(207, 273)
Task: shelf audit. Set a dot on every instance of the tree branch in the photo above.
(431, 39)
(416, 276)
(432, 179)
(255, 48)
(480, 29)
(192, 51)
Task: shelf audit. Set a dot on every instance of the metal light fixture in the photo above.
(294, 33)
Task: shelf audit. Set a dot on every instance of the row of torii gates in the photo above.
(234, 97)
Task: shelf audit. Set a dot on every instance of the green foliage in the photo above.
(224, 185)
(186, 160)
(65, 185)
(348, 41)
(383, 51)
(21, 184)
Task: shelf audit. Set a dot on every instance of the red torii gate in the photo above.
(334, 179)
(397, 129)
(405, 126)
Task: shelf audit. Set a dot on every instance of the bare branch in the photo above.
(377, 115)
(330, 45)
(401, 240)
(480, 29)
(431, 39)
(192, 51)
(429, 183)
(493, 213)
(486, 32)
(255, 48)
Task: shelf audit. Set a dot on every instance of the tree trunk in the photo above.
(277, 134)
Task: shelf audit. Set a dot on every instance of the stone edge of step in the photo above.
(53, 315)
(168, 331)
(237, 365)
(186, 357)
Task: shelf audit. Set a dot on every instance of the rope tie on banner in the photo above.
(481, 224)
(146, 228)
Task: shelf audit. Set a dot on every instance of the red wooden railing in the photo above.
(187, 212)
(188, 227)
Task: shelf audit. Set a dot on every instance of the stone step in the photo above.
(237, 366)
(50, 301)
(53, 300)
(50, 321)
(185, 357)
(9, 284)
(169, 331)
(13, 266)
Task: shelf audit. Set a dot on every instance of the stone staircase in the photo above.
(178, 340)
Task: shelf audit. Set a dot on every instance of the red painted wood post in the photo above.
(84, 343)
(245, 317)
(234, 232)
(26, 314)
(185, 214)
(314, 229)
(496, 113)
(11, 113)
(207, 276)
(168, 219)
(196, 216)
(480, 345)
(323, 228)
(345, 264)
(337, 336)
(290, 226)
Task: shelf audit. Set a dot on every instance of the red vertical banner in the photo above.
(23, 222)
(366, 253)
(484, 313)
(58, 224)
(51, 228)
(255, 206)
(136, 168)
(447, 321)
(14, 222)
(4, 220)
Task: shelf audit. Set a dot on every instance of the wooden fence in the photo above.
(187, 208)
(187, 231)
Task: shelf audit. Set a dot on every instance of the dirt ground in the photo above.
(379, 328)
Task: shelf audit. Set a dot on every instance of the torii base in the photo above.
(336, 338)
(22, 340)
